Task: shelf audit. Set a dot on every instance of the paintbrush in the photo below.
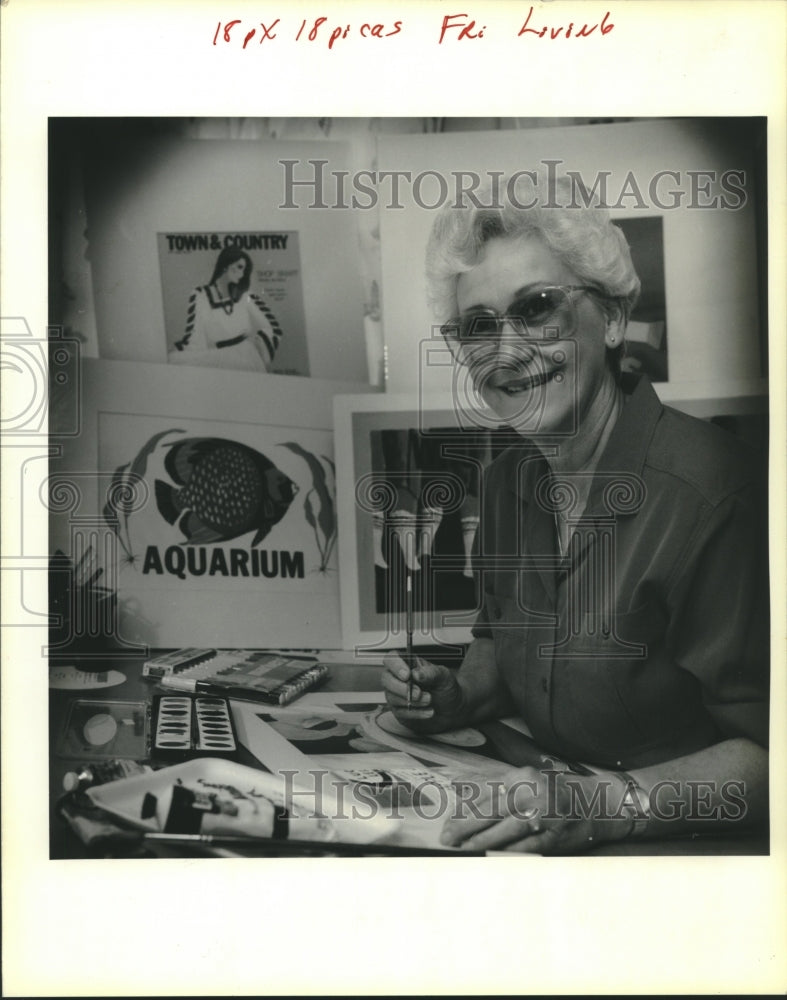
(410, 637)
(409, 621)
(294, 846)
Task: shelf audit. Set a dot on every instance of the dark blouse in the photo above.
(649, 638)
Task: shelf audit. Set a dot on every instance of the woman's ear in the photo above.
(616, 327)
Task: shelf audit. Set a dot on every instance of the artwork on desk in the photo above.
(234, 300)
(410, 477)
(321, 742)
(334, 747)
(290, 736)
(225, 798)
(322, 732)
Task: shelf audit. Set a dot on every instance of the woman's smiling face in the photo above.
(544, 384)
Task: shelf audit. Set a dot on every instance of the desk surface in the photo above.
(344, 677)
(62, 842)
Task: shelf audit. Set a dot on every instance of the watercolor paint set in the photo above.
(191, 726)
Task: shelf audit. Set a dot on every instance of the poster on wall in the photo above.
(162, 203)
(230, 506)
(213, 519)
(234, 300)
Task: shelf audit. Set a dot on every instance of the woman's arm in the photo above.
(721, 788)
(188, 341)
(486, 696)
(264, 328)
(724, 786)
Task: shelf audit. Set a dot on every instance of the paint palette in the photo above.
(102, 730)
(186, 726)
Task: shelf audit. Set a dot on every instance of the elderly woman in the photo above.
(622, 555)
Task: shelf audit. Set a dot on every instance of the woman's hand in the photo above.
(437, 701)
(539, 812)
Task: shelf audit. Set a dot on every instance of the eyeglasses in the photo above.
(545, 313)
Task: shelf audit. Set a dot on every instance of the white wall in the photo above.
(177, 185)
(710, 254)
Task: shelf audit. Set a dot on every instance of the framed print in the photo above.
(408, 479)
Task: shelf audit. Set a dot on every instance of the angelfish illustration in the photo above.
(223, 490)
(318, 506)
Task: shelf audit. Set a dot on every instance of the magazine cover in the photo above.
(234, 300)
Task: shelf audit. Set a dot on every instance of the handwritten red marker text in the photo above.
(466, 28)
(309, 31)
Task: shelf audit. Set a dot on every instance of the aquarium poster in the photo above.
(215, 506)
(234, 300)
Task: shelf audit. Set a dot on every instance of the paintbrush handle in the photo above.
(295, 846)
(409, 615)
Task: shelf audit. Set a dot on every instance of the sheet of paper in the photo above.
(367, 778)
